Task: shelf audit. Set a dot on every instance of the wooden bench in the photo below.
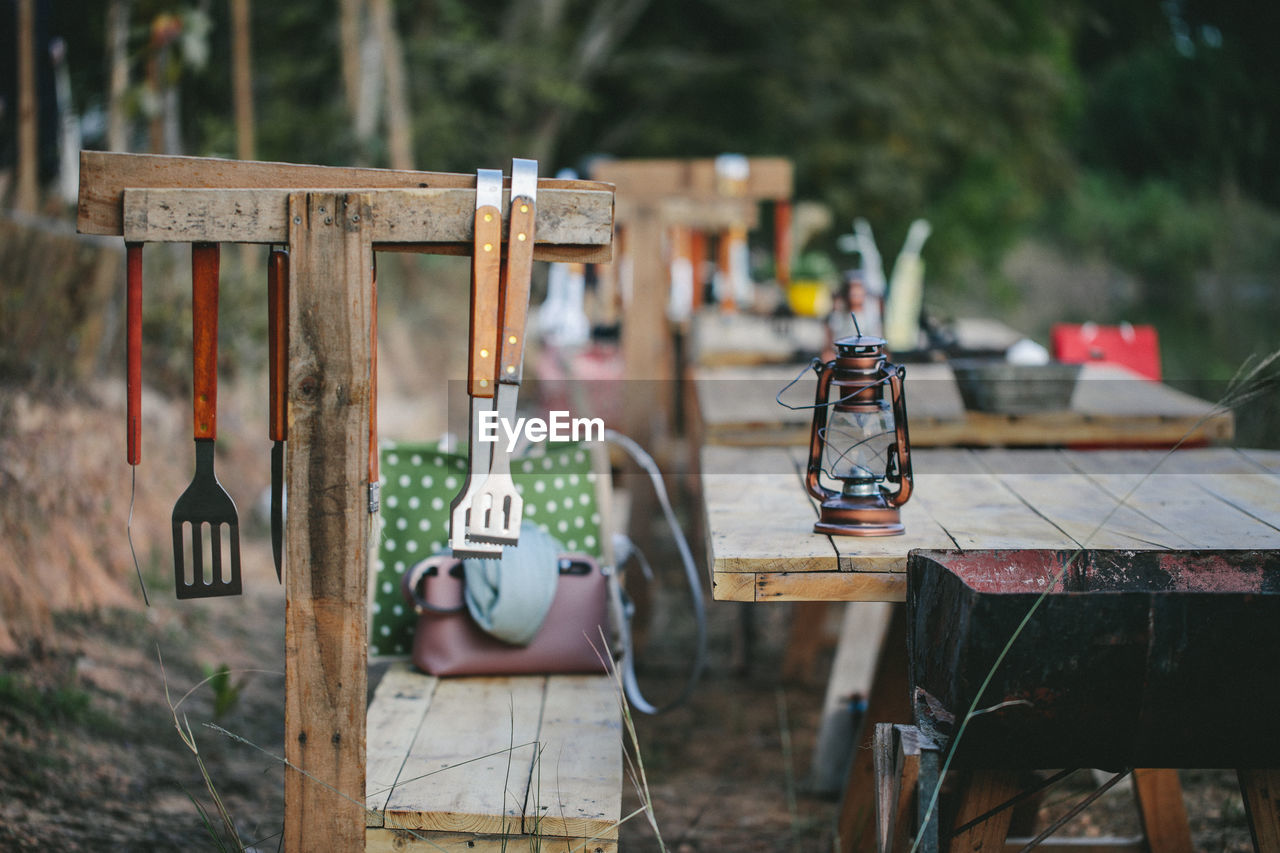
(493, 764)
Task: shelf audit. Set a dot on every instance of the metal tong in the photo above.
(498, 508)
(482, 357)
(488, 510)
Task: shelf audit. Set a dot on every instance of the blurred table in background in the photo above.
(1111, 406)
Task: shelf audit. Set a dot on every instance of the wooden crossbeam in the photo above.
(186, 199)
(767, 178)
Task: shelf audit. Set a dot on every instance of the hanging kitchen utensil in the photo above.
(205, 506)
(133, 385)
(497, 508)
(482, 357)
(277, 377)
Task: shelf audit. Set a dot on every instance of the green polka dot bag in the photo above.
(418, 483)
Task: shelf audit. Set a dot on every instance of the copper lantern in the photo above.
(859, 438)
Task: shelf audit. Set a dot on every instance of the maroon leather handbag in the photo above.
(447, 641)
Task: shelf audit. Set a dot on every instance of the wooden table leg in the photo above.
(889, 702)
(1164, 815)
(808, 634)
(983, 791)
(1261, 792)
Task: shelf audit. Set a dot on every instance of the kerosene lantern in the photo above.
(859, 438)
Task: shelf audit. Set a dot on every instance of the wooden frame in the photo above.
(332, 231)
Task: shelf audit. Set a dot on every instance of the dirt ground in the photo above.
(92, 758)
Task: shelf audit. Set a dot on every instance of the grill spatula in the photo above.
(205, 506)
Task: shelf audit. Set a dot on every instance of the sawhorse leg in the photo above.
(889, 702)
(1261, 792)
(1164, 815)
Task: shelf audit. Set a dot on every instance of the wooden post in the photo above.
(646, 347)
(242, 78)
(27, 191)
(330, 386)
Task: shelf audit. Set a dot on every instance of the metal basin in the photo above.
(1133, 659)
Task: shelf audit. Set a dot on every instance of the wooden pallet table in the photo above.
(760, 546)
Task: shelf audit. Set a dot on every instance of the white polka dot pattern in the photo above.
(418, 484)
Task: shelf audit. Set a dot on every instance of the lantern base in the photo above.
(845, 516)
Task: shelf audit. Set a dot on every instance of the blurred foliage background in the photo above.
(1078, 160)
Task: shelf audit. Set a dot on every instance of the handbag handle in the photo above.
(411, 583)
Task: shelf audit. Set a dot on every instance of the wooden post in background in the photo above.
(242, 77)
(330, 353)
(27, 192)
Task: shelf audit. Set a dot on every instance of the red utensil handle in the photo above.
(278, 345)
(486, 266)
(204, 327)
(133, 349)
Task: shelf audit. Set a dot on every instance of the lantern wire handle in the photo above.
(856, 327)
(814, 364)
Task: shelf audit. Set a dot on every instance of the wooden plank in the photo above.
(975, 508)
(412, 841)
(469, 768)
(327, 541)
(1080, 508)
(576, 789)
(889, 553)
(1163, 813)
(1151, 484)
(861, 631)
(399, 706)
(1269, 459)
(758, 516)
(1102, 844)
(768, 178)
(733, 586)
(984, 790)
(1261, 792)
(831, 586)
(889, 702)
(104, 176)
(421, 217)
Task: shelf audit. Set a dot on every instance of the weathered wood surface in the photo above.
(327, 532)
(759, 518)
(419, 217)
(1110, 407)
(105, 176)
(475, 759)
(767, 178)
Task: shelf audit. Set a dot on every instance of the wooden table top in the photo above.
(1111, 406)
(759, 519)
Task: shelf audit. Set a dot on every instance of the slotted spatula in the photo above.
(205, 507)
(498, 508)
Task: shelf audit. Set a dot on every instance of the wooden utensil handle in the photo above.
(278, 344)
(133, 347)
(486, 266)
(204, 328)
(515, 303)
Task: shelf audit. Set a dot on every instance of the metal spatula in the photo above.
(205, 506)
(498, 508)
